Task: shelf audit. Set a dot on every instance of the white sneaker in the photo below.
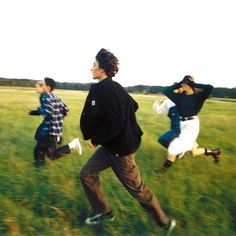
(75, 144)
(171, 227)
(100, 218)
(180, 155)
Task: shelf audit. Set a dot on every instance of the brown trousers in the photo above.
(128, 173)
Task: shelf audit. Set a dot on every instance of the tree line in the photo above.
(145, 89)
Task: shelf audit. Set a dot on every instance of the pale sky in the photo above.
(156, 41)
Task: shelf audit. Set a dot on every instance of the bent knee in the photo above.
(86, 176)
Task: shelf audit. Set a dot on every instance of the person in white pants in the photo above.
(189, 98)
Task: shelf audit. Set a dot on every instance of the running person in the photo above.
(189, 98)
(49, 134)
(108, 119)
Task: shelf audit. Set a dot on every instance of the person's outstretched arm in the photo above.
(34, 113)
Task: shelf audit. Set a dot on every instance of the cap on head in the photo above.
(50, 82)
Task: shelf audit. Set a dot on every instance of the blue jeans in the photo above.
(166, 138)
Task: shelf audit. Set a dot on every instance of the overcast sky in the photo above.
(156, 41)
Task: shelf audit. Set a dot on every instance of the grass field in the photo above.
(50, 200)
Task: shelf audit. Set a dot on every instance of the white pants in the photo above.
(189, 131)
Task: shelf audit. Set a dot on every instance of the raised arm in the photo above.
(171, 93)
(206, 89)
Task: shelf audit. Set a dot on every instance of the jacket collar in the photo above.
(104, 80)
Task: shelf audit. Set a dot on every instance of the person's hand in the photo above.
(156, 106)
(33, 113)
(179, 90)
(191, 78)
(90, 144)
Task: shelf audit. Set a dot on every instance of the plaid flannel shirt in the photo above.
(53, 110)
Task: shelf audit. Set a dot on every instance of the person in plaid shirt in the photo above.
(49, 133)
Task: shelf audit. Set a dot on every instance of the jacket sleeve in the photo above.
(64, 109)
(113, 117)
(206, 89)
(135, 104)
(46, 108)
(169, 92)
(34, 113)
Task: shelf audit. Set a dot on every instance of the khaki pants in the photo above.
(128, 173)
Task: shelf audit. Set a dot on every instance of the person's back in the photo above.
(56, 110)
(113, 114)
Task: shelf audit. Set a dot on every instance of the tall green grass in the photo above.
(50, 200)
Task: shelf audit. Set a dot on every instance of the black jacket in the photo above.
(189, 105)
(108, 118)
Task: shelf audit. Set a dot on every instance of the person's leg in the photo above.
(166, 165)
(215, 153)
(185, 142)
(39, 153)
(54, 152)
(176, 147)
(91, 184)
(128, 173)
(167, 137)
(196, 150)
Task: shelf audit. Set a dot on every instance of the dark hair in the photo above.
(189, 80)
(108, 62)
(50, 82)
(189, 77)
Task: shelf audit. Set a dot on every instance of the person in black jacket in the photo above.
(189, 98)
(108, 119)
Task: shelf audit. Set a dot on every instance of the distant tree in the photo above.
(145, 89)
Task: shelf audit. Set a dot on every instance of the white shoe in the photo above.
(100, 218)
(75, 144)
(171, 227)
(180, 155)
